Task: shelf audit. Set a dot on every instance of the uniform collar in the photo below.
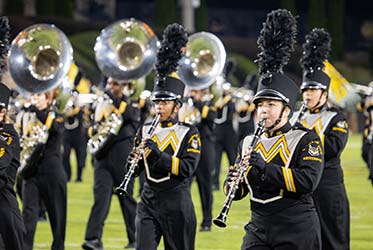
(169, 123)
(279, 131)
(319, 109)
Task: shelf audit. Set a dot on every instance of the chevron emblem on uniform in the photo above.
(317, 125)
(279, 147)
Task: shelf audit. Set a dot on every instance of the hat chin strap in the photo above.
(317, 104)
(278, 119)
(173, 113)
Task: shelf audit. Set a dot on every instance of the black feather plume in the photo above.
(316, 49)
(276, 41)
(169, 54)
(4, 41)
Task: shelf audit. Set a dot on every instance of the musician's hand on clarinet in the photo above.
(246, 158)
(153, 146)
(257, 161)
(232, 175)
(132, 156)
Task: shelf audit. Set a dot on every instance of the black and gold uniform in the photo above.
(47, 182)
(205, 167)
(285, 165)
(170, 158)
(109, 172)
(166, 208)
(330, 124)
(330, 196)
(283, 212)
(12, 228)
(366, 107)
(75, 137)
(226, 137)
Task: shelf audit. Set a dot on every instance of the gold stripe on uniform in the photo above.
(205, 111)
(291, 180)
(49, 120)
(175, 165)
(340, 130)
(122, 107)
(193, 150)
(288, 178)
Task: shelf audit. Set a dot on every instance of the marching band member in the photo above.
(12, 228)
(108, 171)
(206, 128)
(226, 137)
(330, 123)
(366, 107)
(285, 164)
(46, 179)
(166, 208)
(75, 134)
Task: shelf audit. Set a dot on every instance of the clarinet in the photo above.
(133, 163)
(220, 220)
(302, 110)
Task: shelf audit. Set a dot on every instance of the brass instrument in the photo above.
(125, 51)
(39, 58)
(107, 124)
(220, 220)
(188, 113)
(203, 62)
(139, 152)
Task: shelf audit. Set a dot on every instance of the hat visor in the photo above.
(312, 85)
(269, 94)
(164, 96)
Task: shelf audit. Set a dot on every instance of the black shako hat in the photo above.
(278, 87)
(4, 47)
(167, 85)
(4, 95)
(315, 51)
(276, 42)
(171, 88)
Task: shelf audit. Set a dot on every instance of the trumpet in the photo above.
(139, 152)
(220, 220)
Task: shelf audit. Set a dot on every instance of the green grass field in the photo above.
(80, 199)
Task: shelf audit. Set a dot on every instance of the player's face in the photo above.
(197, 94)
(2, 113)
(40, 100)
(165, 109)
(115, 88)
(312, 97)
(270, 110)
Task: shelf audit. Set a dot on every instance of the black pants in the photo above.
(106, 177)
(226, 142)
(79, 144)
(12, 228)
(169, 214)
(51, 188)
(203, 177)
(333, 209)
(365, 151)
(296, 228)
